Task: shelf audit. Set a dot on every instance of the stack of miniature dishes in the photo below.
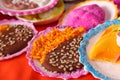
(14, 37)
(35, 11)
(100, 51)
(70, 16)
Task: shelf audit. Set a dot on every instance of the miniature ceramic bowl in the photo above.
(104, 70)
(46, 17)
(110, 14)
(26, 7)
(40, 66)
(108, 7)
(14, 37)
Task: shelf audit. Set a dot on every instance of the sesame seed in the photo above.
(54, 71)
(66, 66)
(66, 57)
(58, 53)
(62, 54)
(67, 53)
(51, 56)
(64, 69)
(1, 54)
(67, 48)
(62, 50)
(59, 67)
(71, 44)
(12, 35)
(63, 47)
(24, 40)
(70, 57)
(77, 66)
(57, 64)
(53, 65)
(62, 61)
(71, 68)
(77, 56)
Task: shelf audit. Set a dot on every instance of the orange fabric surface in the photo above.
(18, 69)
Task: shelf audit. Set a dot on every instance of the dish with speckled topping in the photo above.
(54, 52)
(14, 37)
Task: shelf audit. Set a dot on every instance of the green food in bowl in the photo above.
(47, 15)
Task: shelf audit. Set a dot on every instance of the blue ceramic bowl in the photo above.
(83, 49)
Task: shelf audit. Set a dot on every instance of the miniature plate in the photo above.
(37, 66)
(100, 69)
(14, 37)
(46, 17)
(26, 7)
(110, 9)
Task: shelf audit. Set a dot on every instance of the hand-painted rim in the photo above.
(30, 11)
(63, 17)
(18, 22)
(75, 74)
(83, 44)
(52, 19)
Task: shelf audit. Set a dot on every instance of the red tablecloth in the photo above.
(18, 69)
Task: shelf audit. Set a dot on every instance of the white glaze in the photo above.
(108, 69)
(118, 40)
(41, 3)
